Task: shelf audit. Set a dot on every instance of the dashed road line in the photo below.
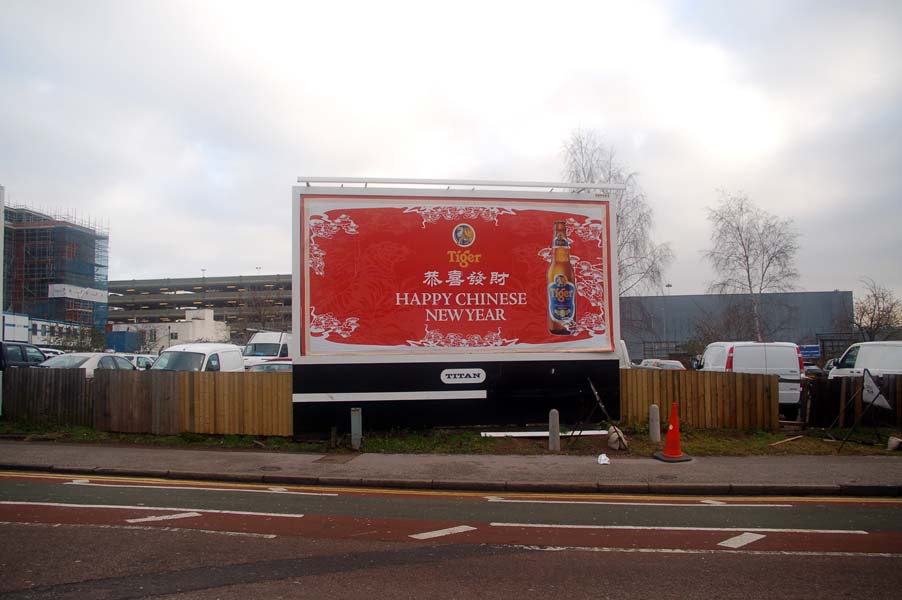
(701, 504)
(87, 482)
(166, 508)
(265, 536)
(741, 540)
(428, 535)
(184, 515)
(666, 528)
(704, 551)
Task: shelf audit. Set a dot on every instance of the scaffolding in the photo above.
(42, 249)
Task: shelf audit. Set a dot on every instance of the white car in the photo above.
(141, 361)
(879, 358)
(658, 363)
(200, 357)
(50, 352)
(88, 361)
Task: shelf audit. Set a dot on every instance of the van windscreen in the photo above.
(261, 350)
(178, 361)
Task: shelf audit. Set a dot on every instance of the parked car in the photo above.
(20, 354)
(812, 371)
(658, 363)
(200, 357)
(88, 361)
(142, 362)
(879, 358)
(266, 345)
(772, 358)
(50, 352)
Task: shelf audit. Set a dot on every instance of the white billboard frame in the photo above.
(507, 190)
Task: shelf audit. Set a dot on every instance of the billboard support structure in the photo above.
(446, 301)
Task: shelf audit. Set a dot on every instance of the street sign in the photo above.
(810, 351)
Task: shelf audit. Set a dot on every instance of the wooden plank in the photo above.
(858, 387)
(774, 423)
(842, 402)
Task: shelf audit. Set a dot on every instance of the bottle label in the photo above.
(561, 299)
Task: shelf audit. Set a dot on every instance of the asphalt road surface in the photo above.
(106, 537)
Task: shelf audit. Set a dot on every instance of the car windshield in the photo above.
(261, 350)
(65, 361)
(179, 361)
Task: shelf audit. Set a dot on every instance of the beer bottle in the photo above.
(561, 284)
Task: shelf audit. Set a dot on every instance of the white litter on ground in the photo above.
(540, 434)
(603, 459)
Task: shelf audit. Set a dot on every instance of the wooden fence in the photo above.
(839, 402)
(167, 403)
(47, 396)
(706, 400)
(158, 402)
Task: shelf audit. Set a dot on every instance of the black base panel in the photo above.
(518, 393)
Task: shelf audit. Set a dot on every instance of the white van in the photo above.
(200, 357)
(266, 345)
(773, 358)
(879, 358)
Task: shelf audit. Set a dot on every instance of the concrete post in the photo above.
(654, 423)
(356, 428)
(554, 430)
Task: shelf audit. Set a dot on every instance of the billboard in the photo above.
(443, 275)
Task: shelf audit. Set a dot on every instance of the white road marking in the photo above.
(702, 504)
(185, 515)
(265, 536)
(703, 551)
(87, 482)
(741, 540)
(442, 532)
(142, 507)
(663, 528)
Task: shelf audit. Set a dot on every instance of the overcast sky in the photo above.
(183, 125)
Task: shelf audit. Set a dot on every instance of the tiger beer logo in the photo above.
(562, 294)
(463, 235)
(562, 303)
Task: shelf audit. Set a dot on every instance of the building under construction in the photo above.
(56, 267)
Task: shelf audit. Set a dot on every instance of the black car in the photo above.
(19, 354)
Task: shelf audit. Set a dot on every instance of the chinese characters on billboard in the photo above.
(440, 275)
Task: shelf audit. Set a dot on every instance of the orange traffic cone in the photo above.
(672, 452)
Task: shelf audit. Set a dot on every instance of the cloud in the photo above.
(185, 124)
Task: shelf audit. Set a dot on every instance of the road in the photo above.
(69, 536)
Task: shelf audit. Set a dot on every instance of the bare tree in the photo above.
(753, 252)
(878, 316)
(640, 261)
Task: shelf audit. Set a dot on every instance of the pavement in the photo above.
(835, 475)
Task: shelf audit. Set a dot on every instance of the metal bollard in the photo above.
(654, 423)
(554, 430)
(356, 428)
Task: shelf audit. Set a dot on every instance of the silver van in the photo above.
(772, 358)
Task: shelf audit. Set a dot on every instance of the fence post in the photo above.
(654, 423)
(554, 430)
(356, 428)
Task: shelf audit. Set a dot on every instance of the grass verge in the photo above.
(458, 441)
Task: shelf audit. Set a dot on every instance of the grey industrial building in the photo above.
(679, 326)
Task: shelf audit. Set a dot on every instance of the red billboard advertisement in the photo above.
(440, 275)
